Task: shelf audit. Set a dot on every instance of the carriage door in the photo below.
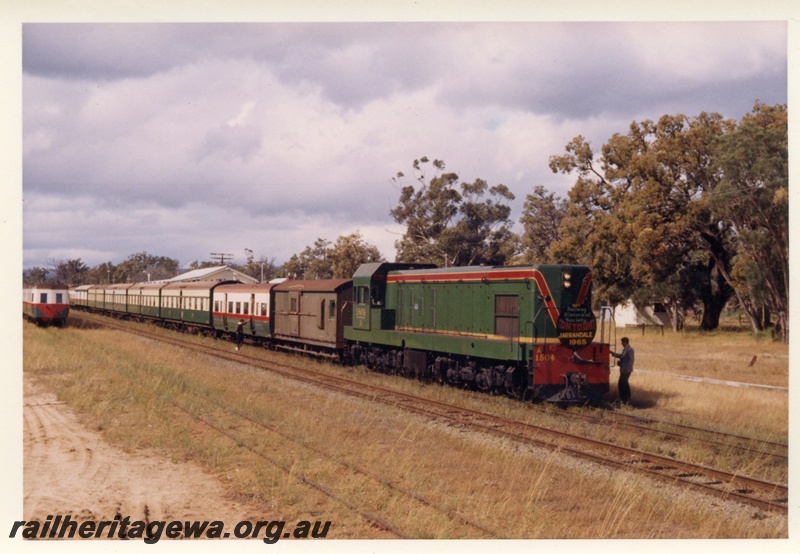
(252, 312)
(294, 313)
(224, 310)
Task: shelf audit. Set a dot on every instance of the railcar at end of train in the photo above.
(46, 305)
(524, 331)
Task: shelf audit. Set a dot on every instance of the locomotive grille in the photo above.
(506, 315)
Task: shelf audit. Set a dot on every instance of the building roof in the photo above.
(220, 273)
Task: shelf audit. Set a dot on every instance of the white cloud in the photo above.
(238, 134)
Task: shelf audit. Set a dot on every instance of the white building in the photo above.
(629, 314)
(220, 273)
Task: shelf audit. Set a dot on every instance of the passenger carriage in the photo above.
(109, 298)
(144, 299)
(248, 302)
(79, 296)
(188, 302)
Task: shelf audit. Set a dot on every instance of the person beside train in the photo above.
(240, 333)
(625, 370)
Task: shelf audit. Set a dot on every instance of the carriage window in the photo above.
(293, 305)
(263, 309)
(332, 309)
(246, 308)
(59, 298)
(238, 307)
(43, 298)
(321, 322)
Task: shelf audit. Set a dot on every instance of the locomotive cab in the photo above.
(370, 310)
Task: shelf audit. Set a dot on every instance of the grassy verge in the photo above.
(130, 389)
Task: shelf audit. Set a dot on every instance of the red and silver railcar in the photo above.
(45, 306)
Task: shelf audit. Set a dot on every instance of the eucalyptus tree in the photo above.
(453, 224)
(640, 215)
(142, 267)
(326, 260)
(312, 263)
(753, 197)
(71, 272)
(349, 252)
(541, 220)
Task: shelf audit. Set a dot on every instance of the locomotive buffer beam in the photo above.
(571, 393)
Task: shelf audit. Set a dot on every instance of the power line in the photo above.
(221, 257)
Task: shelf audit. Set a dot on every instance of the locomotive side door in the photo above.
(506, 315)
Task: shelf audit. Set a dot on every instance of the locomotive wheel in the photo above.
(518, 386)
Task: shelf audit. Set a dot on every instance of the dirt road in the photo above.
(69, 469)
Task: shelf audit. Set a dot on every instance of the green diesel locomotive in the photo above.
(525, 331)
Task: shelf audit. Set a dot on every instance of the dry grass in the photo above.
(714, 355)
(129, 387)
(757, 412)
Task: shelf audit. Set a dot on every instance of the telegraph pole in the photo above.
(221, 257)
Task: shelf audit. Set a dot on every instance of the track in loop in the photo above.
(763, 494)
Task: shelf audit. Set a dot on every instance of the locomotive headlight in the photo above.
(566, 279)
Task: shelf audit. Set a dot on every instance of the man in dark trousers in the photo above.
(240, 334)
(625, 370)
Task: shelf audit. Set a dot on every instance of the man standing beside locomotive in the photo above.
(625, 370)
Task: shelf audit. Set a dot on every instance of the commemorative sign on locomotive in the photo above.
(576, 326)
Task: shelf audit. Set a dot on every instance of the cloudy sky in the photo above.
(183, 139)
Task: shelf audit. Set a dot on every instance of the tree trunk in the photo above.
(714, 301)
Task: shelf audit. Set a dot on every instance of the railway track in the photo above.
(673, 429)
(738, 454)
(766, 495)
(393, 487)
